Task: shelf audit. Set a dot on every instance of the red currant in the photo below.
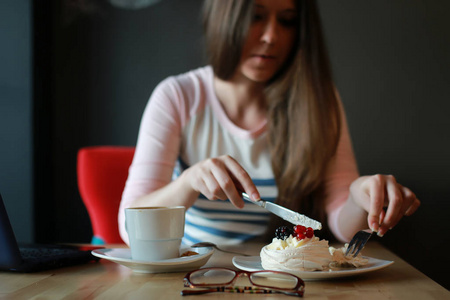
(300, 236)
(299, 228)
(309, 232)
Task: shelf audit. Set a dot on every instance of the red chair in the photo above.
(102, 172)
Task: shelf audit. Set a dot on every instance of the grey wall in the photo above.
(106, 62)
(391, 64)
(16, 167)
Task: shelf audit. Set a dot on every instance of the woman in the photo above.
(263, 118)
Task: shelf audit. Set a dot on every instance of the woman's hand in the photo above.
(374, 193)
(221, 178)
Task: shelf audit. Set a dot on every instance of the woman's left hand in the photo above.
(376, 192)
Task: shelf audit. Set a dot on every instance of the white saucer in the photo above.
(253, 263)
(180, 264)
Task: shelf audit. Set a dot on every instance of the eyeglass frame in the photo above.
(298, 290)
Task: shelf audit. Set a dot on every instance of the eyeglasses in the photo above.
(223, 280)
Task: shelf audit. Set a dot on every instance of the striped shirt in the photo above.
(222, 222)
(183, 124)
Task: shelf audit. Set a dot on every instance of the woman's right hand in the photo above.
(221, 178)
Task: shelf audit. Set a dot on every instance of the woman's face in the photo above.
(270, 39)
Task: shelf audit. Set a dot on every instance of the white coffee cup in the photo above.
(155, 233)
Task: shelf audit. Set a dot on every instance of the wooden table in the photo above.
(108, 280)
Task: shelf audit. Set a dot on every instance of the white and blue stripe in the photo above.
(222, 223)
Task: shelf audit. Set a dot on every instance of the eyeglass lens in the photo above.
(212, 277)
(274, 280)
(223, 276)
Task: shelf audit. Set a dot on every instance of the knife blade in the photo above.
(286, 214)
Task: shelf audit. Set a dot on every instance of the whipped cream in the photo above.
(309, 254)
(340, 260)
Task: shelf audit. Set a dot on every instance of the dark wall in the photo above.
(106, 62)
(16, 165)
(391, 64)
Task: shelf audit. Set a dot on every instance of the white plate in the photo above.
(180, 264)
(253, 263)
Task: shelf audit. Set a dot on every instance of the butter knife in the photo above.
(286, 214)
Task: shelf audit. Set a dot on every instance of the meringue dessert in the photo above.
(300, 250)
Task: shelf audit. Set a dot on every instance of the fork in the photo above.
(358, 242)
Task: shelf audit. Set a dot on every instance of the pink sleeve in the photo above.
(341, 172)
(157, 146)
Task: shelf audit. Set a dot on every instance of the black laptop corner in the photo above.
(35, 257)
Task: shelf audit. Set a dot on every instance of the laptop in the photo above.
(35, 257)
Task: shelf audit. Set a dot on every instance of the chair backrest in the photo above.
(102, 172)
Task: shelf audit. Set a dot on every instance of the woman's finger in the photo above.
(395, 204)
(408, 199)
(213, 188)
(227, 186)
(241, 179)
(412, 209)
(376, 192)
(414, 203)
(204, 181)
(410, 204)
(382, 215)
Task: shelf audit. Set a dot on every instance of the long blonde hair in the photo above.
(303, 109)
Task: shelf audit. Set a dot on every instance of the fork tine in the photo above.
(361, 246)
(358, 242)
(351, 245)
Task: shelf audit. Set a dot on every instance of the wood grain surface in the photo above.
(108, 280)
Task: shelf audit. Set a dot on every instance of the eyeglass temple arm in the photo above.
(197, 292)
